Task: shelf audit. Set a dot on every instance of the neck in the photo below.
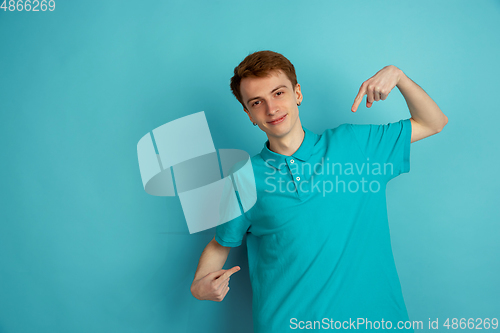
(288, 144)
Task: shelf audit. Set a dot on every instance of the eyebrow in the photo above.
(278, 87)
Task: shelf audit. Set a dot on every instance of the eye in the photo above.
(255, 103)
(279, 93)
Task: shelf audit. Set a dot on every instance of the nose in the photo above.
(272, 108)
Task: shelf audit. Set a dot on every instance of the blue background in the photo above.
(83, 248)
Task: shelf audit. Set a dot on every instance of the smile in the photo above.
(277, 121)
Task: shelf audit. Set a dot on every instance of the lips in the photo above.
(277, 121)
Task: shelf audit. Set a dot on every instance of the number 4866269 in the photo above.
(28, 5)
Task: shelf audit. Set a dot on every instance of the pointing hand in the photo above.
(378, 86)
(213, 286)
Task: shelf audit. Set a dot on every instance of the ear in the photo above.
(298, 93)
(248, 113)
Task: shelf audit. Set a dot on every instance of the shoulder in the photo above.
(340, 130)
(396, 126)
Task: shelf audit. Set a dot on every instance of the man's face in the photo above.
(272, 98)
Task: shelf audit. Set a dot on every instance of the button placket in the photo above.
(295, 176)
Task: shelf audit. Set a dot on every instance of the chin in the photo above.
(279, 132)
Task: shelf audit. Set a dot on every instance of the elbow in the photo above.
(443, 124)
(445, 121)
(194, 290)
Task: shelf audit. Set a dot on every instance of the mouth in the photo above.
(277, 121)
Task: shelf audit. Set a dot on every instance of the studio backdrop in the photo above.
(84, 248)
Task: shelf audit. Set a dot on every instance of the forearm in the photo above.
(422, 108)
(212, 259)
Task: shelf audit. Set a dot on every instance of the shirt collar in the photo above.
(303, 153)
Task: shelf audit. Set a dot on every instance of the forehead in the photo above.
(258, 86)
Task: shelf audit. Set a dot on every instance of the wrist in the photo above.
(401, 79)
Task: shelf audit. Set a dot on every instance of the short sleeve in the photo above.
(389, 143)
(231, 232)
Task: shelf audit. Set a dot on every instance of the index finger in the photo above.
(229, 272)
(359, 98)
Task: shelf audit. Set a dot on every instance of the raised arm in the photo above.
(426, 117)
(211, 282)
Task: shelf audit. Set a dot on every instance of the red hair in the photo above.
(261, 64)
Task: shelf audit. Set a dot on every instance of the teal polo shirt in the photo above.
(319, 247)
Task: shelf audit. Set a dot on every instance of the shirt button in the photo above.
(291, 161)
(298, 178)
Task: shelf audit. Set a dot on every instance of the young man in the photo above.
(318, 237)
